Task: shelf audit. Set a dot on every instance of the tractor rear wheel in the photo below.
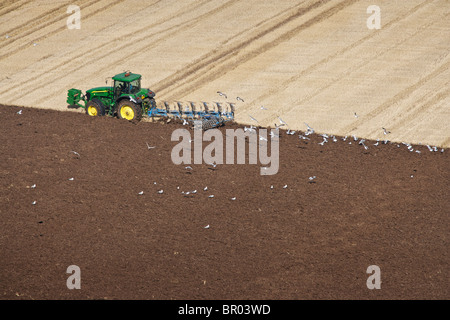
(95, 108)
(129, 110)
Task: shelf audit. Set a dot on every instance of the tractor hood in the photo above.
(99, 90)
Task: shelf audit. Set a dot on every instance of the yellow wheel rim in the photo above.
(92, 111)
(127, 112)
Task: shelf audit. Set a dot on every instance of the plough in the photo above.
(210, 118)
(127, 100)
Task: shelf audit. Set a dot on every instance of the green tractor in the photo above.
(125, 98)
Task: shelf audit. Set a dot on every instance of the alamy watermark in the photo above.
(74, 281)
(374, 281)
(74, 20)
(213, 153)
(374, 20)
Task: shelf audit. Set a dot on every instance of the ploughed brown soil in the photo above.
(383, 206)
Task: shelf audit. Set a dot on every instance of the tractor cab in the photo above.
(126, 83)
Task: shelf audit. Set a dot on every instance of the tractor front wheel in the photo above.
(95, 108)
(129, 110)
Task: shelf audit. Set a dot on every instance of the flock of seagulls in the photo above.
(226, 97)
(310, 130)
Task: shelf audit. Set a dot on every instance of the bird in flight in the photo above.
(309, 129)
(239, 99)
(385, 131)
(253, 118)
(150, 147)
(282, 122)
(222, 94)
(213, 165)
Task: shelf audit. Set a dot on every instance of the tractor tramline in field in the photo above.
(127, 100)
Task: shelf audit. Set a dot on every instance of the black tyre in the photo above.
(95, 108)
(129, 110)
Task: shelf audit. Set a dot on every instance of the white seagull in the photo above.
(149, 147)
(239, 99)
(76, 153)
(222, 94)
(309, 130)
(385, 131)
(249, 129)
(282, 122)
(303, 137)
(253, 118)
(213, 165)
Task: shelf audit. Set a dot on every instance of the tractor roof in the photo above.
(127, 76)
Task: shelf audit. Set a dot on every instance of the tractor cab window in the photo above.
(121, 87)
(134, 86)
